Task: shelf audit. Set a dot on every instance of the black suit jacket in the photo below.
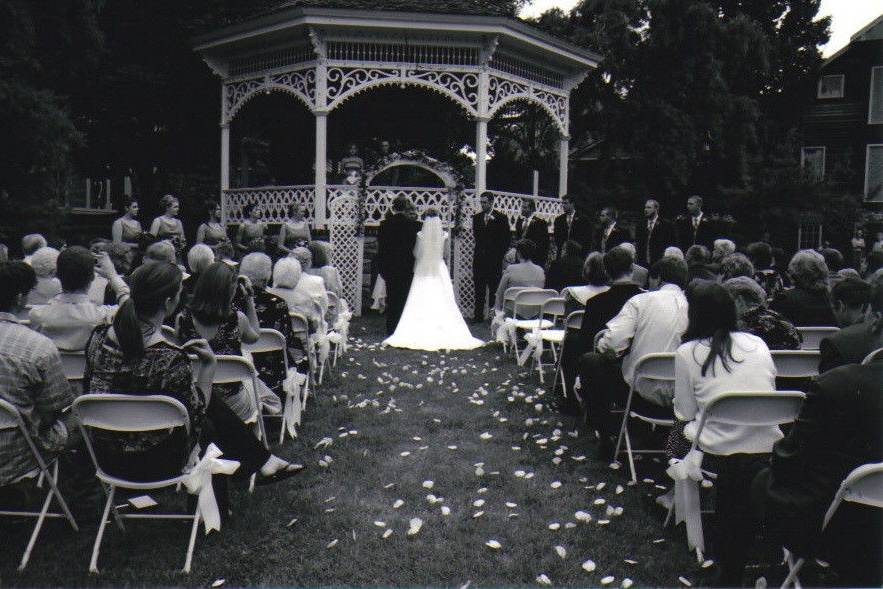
(850, 345)
(538, 232)
(603, 307)
(395, 241)
(617, 237)
(491, 242)
(804, 308)
(580, 230)
(662, 237)
(705, 234)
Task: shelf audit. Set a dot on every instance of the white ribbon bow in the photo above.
(534, 346)
(506, 332)
(320, 340)
(687, 473)
(291, 413)
(199, 481)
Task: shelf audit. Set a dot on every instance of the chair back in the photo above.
(299, 323)
(233, 369)
(813, 336)
(270, 340)
(73, 364)
(528, 303)
(864, 485)
(10, 419)
(553, 308)
(875, 355)
(796, 363)
(130, 413)
(655, 376)
(333, 301)
(574, 320)
(170, 335)
(509, 297)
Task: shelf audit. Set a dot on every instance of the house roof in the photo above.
(873, 31)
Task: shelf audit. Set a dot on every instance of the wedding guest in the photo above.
(755, 318)
(595, 280)
(250, 235)
(654, 235)
(33, 380)
(808, 303)
(834, 261)
(852, 344)
(70, 317)
(567, 270)
(44, 262)
(761, 256)
(132, 357)
(570, 225)
(673, 251)
(717, 358)
(851, 298)
(127, 229)
(295, 232)
(640, 274)
(722, 248)
(321, 266)
(287, 273)
(735, 265)
(609, 235)
(531, 226)
(694, 228)
(168, 226)
(648, 323)
(161, 251)
(395, 258)
(491, 231)
(212, 232)
(698, 257)
(310, 284)
(525, 272)
(30, 243)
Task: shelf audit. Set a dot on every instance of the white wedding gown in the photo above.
(431, 319)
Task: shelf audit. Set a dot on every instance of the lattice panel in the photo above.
(464, 250)
(509, 203)
(378, 202)
(347, 246)
(273, 202)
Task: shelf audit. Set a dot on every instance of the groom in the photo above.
(395, 258)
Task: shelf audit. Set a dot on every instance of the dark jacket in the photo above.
(538, 232)
(700, 272)
(617, 236)
(395, 253)
(850, 345)
(580, 231)
(705, 234)
(566, 271)
(603, 307)
(663, 236)
(491, 241)
(805, 308)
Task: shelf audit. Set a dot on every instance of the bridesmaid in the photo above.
(127, 229)
(212, 232)
(250, 235)
(168, 225)
(296, 232)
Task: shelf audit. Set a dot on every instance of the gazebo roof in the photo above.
(471, 7)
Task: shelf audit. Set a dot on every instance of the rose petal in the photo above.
(387, 533)
(544, 580)
(685, 581)
(608, 579)
(414, 526)
(380, 524)
(511, 505)
(477, 514)
(478, 503)
(555, 484)
(554, 526)
(445, 510)
(332, 544)
(493, 544)
(485, 436)
(398, 503)
(589, 566)
(561, 551)
(218, 582)
(626, 583)
(428, 484)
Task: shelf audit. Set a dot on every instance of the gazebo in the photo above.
(324, 56)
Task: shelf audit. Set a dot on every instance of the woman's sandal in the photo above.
(280, 475)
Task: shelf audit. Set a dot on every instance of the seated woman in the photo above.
(567, 270)
(321, 266)
(131, 357)
(597, 281)
(287, 275)
(310, 284)
(808, 302)
(717, 358)
(210, 315)
(777, 332)
(44, 261)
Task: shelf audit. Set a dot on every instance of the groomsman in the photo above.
(695, 228)
(571, 225)
(491, 230)
(654, 235)
(395, 256)
(531, 226)
(610, 234)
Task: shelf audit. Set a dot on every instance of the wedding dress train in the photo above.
(431, 319)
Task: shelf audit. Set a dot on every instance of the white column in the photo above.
(321, 165)
(480, 155)
(563, 156)
(225, 157)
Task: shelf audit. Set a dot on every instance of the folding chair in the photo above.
(132, 413)
(553, 309)
(73, 364)
(11, 419)
(300, 326)
(334, 309)
(796, 363)
(813, 336)
(657, 368)
(864, 485)
(271, 341)
(572, 322)
(875, 355)
(527, 309)
(236, 369)
(509, 298)
(170, 335)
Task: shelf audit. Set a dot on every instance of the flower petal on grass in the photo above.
(380, 524)
(445, 510)
(477, 514)
(332, 544)
(561, 551)
(554, 526)
(555, 484)
(428, 484)
(626, 583)
(414, 526)
(218, 582)
(387, 533)
(478, 503)
(398, 503)
(485, 436)
(589, 566)
(544, 580)
(685, 582)
(608, 579)
(493, 544)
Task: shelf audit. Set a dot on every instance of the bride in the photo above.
(431, 319)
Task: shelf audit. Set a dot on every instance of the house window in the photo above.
(874, 174)
(831, 86)
(812, 162)
(875, 102)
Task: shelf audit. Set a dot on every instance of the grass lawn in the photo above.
(469, 422)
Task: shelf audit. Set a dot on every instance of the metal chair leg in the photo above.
(93, 563)
(189, 559)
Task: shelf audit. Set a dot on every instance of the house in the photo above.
(842, 128)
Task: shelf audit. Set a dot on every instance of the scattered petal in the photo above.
(478, 503)
(599, 501)
(493, 544)
(554, 526)
(477, 514)
(561, 551)
(414, 526)
(556, 484)
(619, 489)
(332, 544)
(398, 503)
(445, 510)
(569, 525)
(428, 484)
(387, 533)
(608, 579)
(589, 566)
(485, 436)
(291, 523)
(626, 583)
(520, 474)
(218, 582)
(707, 563)
(582, 516)
(630, 561)
(685, 581)
(544, 580)
(511, 505)
(404, 454)
(615, 466)
(380, 524)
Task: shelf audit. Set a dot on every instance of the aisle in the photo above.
(505, 492)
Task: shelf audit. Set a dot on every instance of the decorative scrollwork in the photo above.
(300, 83)
(499, 89)
(502, 91)
(344, 81)
(462, 85)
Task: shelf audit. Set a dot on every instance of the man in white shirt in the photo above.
(650, 322)
(69, 318)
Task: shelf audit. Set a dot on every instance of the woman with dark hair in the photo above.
(168, 226)
(567, 270)
(127, 229)
(596, 280)
(132, 357)
(250, 235)
(761, 256)
(296, 231)
(717, 358)
(212, 232)
(210, 314)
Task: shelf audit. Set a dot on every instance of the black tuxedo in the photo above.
(654, 244)
(395, 259)
(850, 345)
(537, 232)
(579, 230)
(617, 236)
(704, 234)
(491, 243)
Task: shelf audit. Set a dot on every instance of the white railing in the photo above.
(274, 202)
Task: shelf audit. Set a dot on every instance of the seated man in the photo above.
(524, 272)
(698, 258)
(851, 298)
(640, 274)
(33, 380)
(69, 318)
(851, 344)
(648, 323)
(838, 429)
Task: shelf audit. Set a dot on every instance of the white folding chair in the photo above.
(236, 369)
(656, 368)
(553, 310)
(300, 326)
(509, 298)
(73, 365)
(875, 355)
(11, 419)
(572, 322)
(334, 309)
(132, 413)
(271, 341)
(864, 485)
(796, 363)
(813, 336)
(527, 309)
